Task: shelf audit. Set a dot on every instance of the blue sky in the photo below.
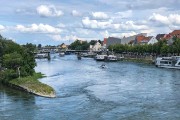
(52, 22)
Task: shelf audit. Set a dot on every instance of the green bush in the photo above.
(7, 75)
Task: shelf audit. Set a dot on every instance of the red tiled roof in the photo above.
(172, 34)
(142, 38)
(175, 32)
(167, 36)
(105, 41)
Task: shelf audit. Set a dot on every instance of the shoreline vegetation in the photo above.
(138, 60)
(17, 64)
(147, 59)
(32, 85)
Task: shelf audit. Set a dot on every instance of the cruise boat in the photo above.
(41, 55)
(100, 57)
(89, 54)
(111, 58)
(107, 58)
(168, 62)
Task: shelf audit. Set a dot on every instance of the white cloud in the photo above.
(142, 22)
(60, 38)
(55, 37)
(159, 18)
(2, 28)
(148, 31)
(107, 34)
(129, 25)
(24, 11)
(94, 24)
(122, 26)
(76, 13)
(127, 34)
(71, 38)
(171, 19)
(84, 32)
(174, 27)
(99, 15)
(174, 19)
(48, 11)
(141, 4)
(41, 28)
(124, 14)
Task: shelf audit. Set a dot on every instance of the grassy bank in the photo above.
(138, 60)
(32, 85)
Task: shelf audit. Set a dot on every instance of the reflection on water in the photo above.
(14, 102)
(84, 91)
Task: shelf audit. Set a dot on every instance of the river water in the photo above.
(123, 91)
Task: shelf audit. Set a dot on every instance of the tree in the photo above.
(92, 42)
(12, 60)
(164, 49)
(14, 57)
(85, 46)
(78, 45)
(1, 51)
(176, 45)
(30, 47)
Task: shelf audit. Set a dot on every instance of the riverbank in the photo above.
(135, 58)
(139, 60)
(32, 85)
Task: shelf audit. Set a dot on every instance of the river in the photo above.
(123, 91)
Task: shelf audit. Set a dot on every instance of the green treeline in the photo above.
(159, 48)
(82, 45)
(15, 60)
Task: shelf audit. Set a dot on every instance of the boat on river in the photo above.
(61, 54)
(108, 58)
(168, 62)
(41, 55)
(100, 57)
(89, 54)
(111, 58)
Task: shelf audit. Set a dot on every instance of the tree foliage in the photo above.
(79, 45)
(160, 48)
(14, 57)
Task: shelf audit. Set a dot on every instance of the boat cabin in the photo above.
(168, 62)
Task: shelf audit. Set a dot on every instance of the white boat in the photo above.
(84, 54)
(89, 54)
(168, 62)
(61, 54)
(100, 57)
(111, 58)
(41, 55)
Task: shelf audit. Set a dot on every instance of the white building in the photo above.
(96, 47)
(152, 41)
